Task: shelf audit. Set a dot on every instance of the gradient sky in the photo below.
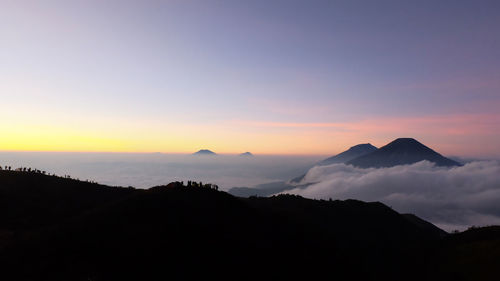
(274, 77)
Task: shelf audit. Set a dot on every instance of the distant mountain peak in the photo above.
(408, 145)
(362, 147)
(353, 152)
(204, 152)
(406, 141)
(343, 157)
(401, 151)
(246, 154)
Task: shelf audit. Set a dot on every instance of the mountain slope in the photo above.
(267, 189)
(31, 200)
(177, 233)
(401, 151)
(343, 157)
(471, 255)
(351, 153)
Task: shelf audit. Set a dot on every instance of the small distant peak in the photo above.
(246, 154)
(204, 152)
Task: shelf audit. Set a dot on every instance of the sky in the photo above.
(270, 77)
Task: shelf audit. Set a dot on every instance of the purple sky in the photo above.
(291, 77)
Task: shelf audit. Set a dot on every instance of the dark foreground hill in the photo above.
(402, 151)
(60, 229)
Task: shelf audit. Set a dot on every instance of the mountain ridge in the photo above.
(167, 231)
(401, 151)
(55, 228)
(352, 153)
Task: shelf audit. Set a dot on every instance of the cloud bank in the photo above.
(451, 198)
(144, 170)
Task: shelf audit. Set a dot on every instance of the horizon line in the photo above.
(478, 157)
(164, 152)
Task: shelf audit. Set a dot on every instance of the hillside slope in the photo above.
(174, 232)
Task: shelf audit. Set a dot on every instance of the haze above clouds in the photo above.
(144, 170)
(451, 198)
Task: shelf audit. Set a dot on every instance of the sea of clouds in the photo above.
(144, 170)
(451, 198)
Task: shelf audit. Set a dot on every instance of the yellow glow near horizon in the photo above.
(185, 139)
(80, 76)
(91, 135)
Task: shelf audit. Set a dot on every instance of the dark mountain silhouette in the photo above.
(402, 151)
(53, 228)
(246, 154)
(423, 224)
(63, 229)
(31, 200)
(469, 255)
(351, 153)
(204, 152)
(343, 157)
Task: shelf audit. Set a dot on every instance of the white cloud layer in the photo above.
(451, 198)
